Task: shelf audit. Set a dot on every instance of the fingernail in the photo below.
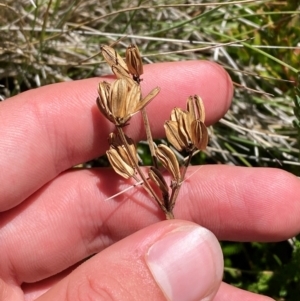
(187, 263)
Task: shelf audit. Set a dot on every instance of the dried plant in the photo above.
(185, 130)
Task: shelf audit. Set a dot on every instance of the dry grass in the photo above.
(59, 41)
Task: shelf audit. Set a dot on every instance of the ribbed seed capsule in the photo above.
(104, 102)
(196, 107)
(115, 61)
(134, 61)
(199, 134)
(186, 129)
(156, 176)
(169, 161)
(119, 101)
(119, 157)
(119, 165)
(178, 130)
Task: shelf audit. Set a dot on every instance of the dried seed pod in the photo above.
(199, 134)
(196, 107)
(119, 165)
(103, 101)
(169, 161)
(156, 176)
(119, 157)
(134, 61)
(115, 61)
(178, 130)
(186, 129)
(172, 133)
(119, 101)
(116, 141)
(120, 72)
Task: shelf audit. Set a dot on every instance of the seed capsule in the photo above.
(115, 61)
(168, 159)
(119, 157)
(134, 61)
(119, 101)
(186, 129)
(156, 176)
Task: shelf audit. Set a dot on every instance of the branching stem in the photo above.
(146, 185)
(177, 185)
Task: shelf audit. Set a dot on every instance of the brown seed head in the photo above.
(119, 157)
(134, 61)
(115, 61)
(196, 107)
(119, 101)
(169, 161)
(103, 101)
(186, 129)
(178, 130)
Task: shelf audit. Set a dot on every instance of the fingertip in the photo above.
(187, 263)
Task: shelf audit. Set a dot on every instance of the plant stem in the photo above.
(177, 186)
(149, 137)
(146, 185)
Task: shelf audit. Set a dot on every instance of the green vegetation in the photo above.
(58, 40)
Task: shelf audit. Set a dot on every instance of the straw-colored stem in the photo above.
(177, 186)
(146, 185)
(149, 137)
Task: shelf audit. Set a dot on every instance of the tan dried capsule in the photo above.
(134, 62)
(169, 161)
(186, 129)
(172, 133)
(196, 107)
(119, 157)
(199, 134)
(103, 101)
(178, 130)
(115, 61)
(122, 100)
(156, 176)
(115, 141)
(119, 165)
(120, 72)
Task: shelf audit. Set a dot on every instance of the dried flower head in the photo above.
(119, 158)
(186, 129)
(195, 107)
(169, 161)
(119, 101)
(134, 62)
(115, 61)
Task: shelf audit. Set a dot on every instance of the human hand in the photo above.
(52, 218)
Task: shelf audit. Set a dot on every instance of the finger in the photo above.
(74, 221)
(8, 292)
(227, 292)
(50, 129)
(172, 260)
(31, 291)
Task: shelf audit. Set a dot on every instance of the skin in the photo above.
(52, 218)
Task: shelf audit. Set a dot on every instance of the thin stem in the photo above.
(146, 185)
(149, 137)
(177, 185)
(186, 164)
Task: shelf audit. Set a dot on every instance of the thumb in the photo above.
(171, 260)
